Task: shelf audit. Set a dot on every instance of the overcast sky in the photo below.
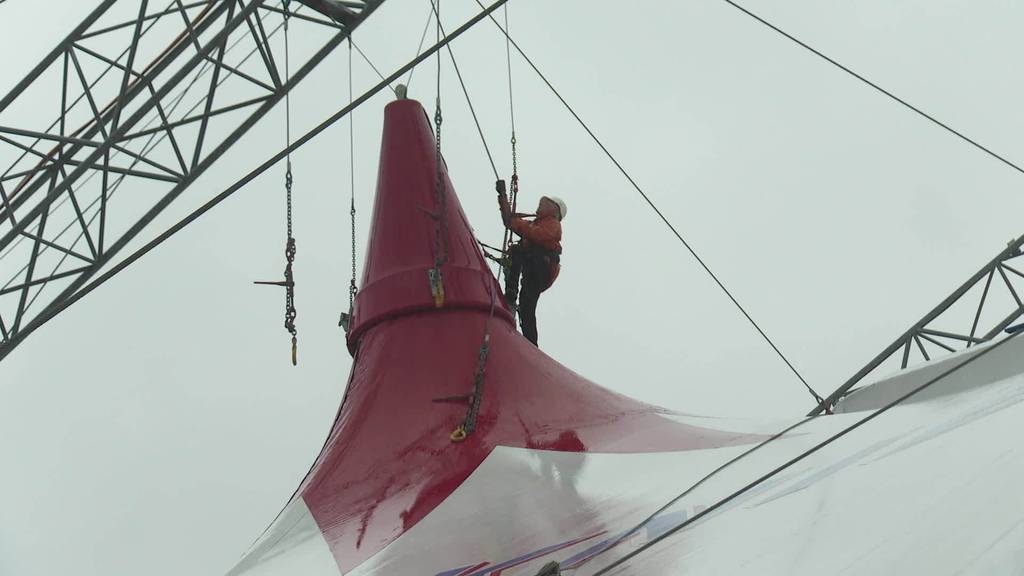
(157, 426)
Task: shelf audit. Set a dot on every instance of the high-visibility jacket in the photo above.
(545, 233)
(543, 238)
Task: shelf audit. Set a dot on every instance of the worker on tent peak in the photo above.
(535, 258)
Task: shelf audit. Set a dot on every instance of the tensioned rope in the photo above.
(508, 68)
(239, 184)
(803, 455)
(465, 92)
(507, 236)
(352, 176)
(440, 214)
(352, 293)
(290, 245)
(657, 211)
(368, 61)
(468, 425)
(289, 250)
(423, 38)
(908, 105)
(896, 402)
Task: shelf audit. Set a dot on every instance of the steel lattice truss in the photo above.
(982, 308)
(142, 97)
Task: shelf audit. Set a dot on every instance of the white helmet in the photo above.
(562, 208)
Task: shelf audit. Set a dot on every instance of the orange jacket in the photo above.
(544, 232)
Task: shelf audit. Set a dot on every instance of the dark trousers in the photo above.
(534, 269)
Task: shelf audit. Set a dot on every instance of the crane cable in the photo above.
(440, 214)
(892, 96)
(368, 61)
(658, 212)
(469, 101)
(514, 183)
(423, 37)
(474, 399)
(345, 322)
(487, 149)
(352, 289)
(289, 246)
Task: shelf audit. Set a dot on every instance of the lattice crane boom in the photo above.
(144, 96)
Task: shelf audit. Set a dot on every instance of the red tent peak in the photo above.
(403, 244)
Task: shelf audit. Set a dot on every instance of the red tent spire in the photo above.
(403, 234)
(389, 460)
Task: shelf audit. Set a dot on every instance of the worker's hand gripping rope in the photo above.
(503, 204)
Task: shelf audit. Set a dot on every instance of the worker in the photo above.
(535, 258)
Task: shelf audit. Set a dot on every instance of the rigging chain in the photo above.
(468, 424)
(514, 184)
(469, 103)
(289, 250)
(441, 214)
(419, 49)
(346, 317)
(352, 182)
(289, 247)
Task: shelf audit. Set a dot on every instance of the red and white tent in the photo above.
(560, 469)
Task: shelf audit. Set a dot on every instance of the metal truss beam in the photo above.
(924, 331)
(68, 175)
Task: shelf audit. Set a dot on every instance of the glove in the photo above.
(499, 186)
(506, 211)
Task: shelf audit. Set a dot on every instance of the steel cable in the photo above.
(423, 38)
(659, 213)
(469, 101)
(352, 178)
(367, 59)
(806, 453)
(908, 105)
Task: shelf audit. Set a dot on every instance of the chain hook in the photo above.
(441, 239)
(458, 435)
(289, 247)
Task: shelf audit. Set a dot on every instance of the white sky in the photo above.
(157, 426)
